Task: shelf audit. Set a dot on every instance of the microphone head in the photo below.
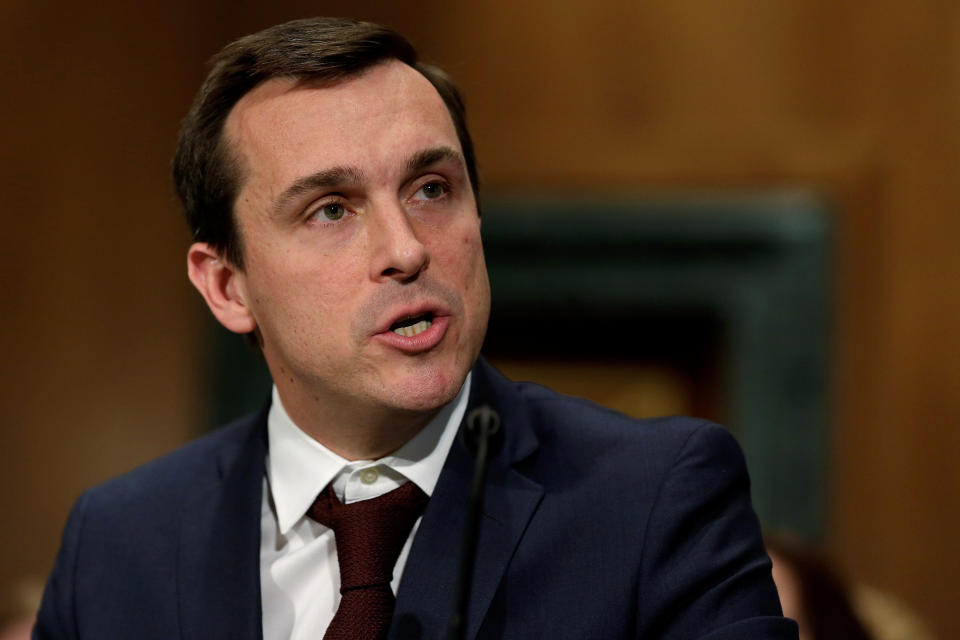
(483, 422)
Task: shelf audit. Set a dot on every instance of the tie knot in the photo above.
(370, 533)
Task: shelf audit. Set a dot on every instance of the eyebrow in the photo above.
(423, 159)
(333, 177)
(352, 176)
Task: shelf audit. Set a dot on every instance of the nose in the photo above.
(398, 252)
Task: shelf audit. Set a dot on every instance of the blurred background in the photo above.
(650, 109)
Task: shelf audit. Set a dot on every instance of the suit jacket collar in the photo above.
(426, 595)
(219, 559)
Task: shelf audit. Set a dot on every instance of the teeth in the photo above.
(414, 329)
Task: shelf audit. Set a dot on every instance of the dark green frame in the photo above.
(654, 273)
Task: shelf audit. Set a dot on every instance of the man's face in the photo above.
(364, 271)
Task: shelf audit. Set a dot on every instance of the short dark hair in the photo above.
(206, 171)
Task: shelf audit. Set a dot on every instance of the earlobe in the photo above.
(222, 287)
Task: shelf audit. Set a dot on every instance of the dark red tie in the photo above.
(369, 535)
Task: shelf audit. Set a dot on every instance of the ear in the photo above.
(222, 286)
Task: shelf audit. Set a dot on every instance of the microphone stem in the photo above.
(457, 628)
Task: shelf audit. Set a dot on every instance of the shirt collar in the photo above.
(299, 467)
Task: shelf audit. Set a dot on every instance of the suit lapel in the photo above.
(219, 560)
(219, 567)
(426, 596)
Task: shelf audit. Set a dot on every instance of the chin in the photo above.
(426, 391)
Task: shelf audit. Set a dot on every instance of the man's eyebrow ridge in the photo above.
(427, 157)
(333, 177)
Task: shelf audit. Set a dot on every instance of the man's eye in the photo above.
(331, 211)
(432, 190)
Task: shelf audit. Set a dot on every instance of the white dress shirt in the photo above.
(299, 573)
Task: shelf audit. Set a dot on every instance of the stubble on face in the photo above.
(316, 298)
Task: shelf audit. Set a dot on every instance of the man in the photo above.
(330, 182)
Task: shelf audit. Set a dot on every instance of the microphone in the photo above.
(481, 427)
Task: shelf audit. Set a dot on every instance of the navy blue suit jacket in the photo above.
(595, 526)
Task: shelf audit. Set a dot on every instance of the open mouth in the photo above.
(413, 325)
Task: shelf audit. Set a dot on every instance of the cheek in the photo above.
(460, 258)
(293, 300)
(473, 272)
(473, 247)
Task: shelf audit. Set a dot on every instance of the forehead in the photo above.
(286, 126)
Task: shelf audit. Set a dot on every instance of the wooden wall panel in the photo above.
(860, 101)
(100, 367)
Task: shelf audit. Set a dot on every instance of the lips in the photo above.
(414, 330)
